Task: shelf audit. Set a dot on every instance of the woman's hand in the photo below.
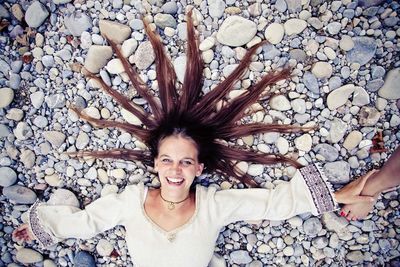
(350, 193)
(23, 233)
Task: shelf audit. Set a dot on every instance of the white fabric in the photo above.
(191, 244)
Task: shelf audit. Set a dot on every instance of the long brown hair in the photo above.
(189, 113)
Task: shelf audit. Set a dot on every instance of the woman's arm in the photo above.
(308, 191)
(50, 224)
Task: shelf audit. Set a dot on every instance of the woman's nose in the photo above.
(176, 167)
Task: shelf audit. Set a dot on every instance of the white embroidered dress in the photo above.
(193, 243)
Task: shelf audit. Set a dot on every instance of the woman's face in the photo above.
(177, 164)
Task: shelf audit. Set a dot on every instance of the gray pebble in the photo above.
(312, 226)
(36, 14)
(48, 61)
(19, 194)
(77, 22)
(170, 8)
(15, 81)
(374, 85)
(240, 257)
(330, 153)
(7, 176)
(311, 82)
(337, 172)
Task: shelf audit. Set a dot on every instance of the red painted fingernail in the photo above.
(341, 213)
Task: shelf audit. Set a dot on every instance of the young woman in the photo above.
(178, 223)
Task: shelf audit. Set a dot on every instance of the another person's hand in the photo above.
(23, 234)
(350, 193)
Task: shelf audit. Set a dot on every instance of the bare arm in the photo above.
(387, 177)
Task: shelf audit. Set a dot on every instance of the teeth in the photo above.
(175, 180)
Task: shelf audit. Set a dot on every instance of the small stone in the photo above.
(334, 27)
(240, 257)
(274, 33)
(114, 31)
(60, 2)
(337, 130)
(164, 20)
(36, 14)
(352, 140)
(374, 85)
(7, 176)
(144, 55)
(27, 157)
(394, 120)
(40, 121)
(312, 227)
(322, 70)
(280, 102)
(368, 116)
(310, 81)
(216, 8)
(360, 97)
(303, 142)
(283, 145)
(334, 223)
(320, 242)
(97, 57)
(129, 117)
(180, 67)
(77, 22)
(19, 194)
(236, 31)
(288, 251)
(27, 256)
(255, 169)
(298, 105)
(355, 256)
(55, 138)
(23, 131)
(298, 54)
(6, 97)
(339, 96)
(390, 89)
(316, 23)
(294, 26)
(207, 44)
(17, 12)
(281, 5)
(53, 180)
(338, 172)
(363, 51)
(118, 173)
(377, 72)
(128, 47)
(104, 248)
(114, 66)
(170, 8)
(330, 153)
(82, 140)
(84, 259)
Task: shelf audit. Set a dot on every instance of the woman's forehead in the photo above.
(176, 145)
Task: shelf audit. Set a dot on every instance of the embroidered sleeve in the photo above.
(320, 189)
(44, 238)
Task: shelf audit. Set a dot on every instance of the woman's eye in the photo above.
(165, 160)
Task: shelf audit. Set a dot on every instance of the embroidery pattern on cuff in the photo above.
(42, 236)
(320, 188)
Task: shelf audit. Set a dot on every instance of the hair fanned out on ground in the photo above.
(185, 110)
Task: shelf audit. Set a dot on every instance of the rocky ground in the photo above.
(346, 72)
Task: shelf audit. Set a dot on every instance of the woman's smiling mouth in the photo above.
(175, 181)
